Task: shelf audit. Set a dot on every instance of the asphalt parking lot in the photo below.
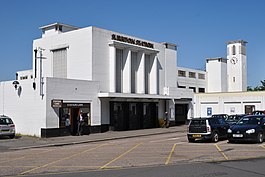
(163, 149)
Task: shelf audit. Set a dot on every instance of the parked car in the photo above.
(7, 127)
(258, 112)
(210, 128)
(248, 128)
(232, 119)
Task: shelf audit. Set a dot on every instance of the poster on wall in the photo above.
(209, 111)
(232, 110)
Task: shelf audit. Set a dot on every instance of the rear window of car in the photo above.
(249, 121)
(198, 122)
(5, 121)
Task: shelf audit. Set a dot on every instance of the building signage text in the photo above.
(132, 41)
(57, 103)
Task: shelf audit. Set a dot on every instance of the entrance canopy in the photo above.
(136, 96)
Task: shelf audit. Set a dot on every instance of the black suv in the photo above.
(209, 128)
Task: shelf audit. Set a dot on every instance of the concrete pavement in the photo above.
(26, 142)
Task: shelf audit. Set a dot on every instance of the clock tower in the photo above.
(236, 66)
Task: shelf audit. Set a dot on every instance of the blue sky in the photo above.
(200, 28)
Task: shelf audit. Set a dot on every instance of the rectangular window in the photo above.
(181, 86)
(192, 75)
(60, 63)
(133, 71)
(234, 79)
(233, 49)
(201, 76)
(181, 73)
(119, 69)
(201, 90)
(147, 72)
(193, 88)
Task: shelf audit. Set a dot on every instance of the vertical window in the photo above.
(234, 50)
(133, 71)
(147, 73)
(60, 63)
(119, 69)
(234, 79)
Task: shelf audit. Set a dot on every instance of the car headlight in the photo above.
(229, 131)
(250, 131)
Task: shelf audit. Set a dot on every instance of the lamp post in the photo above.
(40, 50)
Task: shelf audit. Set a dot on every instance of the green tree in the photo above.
(257, 88)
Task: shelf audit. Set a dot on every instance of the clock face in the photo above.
(234, 60)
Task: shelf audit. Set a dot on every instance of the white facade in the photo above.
(228, 103)
(237, 66)
(195, 80)
(216, 74)
(111, 76)
(119, 82)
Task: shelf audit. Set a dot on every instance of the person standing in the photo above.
(67, 123)
(80, 124)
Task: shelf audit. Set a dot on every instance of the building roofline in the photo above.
(54, 24)
(237, 41)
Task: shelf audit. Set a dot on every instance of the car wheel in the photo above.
(191, 140)
(231, 141)
(215, 137)
(12, 136)
(260, 138)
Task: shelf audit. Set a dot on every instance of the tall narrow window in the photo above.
(147, 73)
(119, 69)
(234, 49)
(133, 72)
(60, 63)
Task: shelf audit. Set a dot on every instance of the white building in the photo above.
(119, 82)
(116, 81)
(227, 85)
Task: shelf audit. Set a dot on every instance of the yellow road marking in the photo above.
(104, 166)
(219, 150)
(6, 161)
(45, 165)
(172, 150)
(262, 146)
(12, 160)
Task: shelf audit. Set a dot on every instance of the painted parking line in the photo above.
(105, 166)
(25, 156)
(45, 165)
(220, 150)
(262, 146)
(169, 139)
(169, 156)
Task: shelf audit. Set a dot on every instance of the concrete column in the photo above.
(154, 75)
(112, 69)
(127, 71)
(140, 73)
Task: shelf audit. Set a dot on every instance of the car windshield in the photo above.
(198, 122)
(249, 121)
(5, 121)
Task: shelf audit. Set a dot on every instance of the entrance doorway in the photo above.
(73, 111)
(133, 115)
(249, 109)
(181, 112)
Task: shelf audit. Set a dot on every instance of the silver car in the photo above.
(7, 127)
